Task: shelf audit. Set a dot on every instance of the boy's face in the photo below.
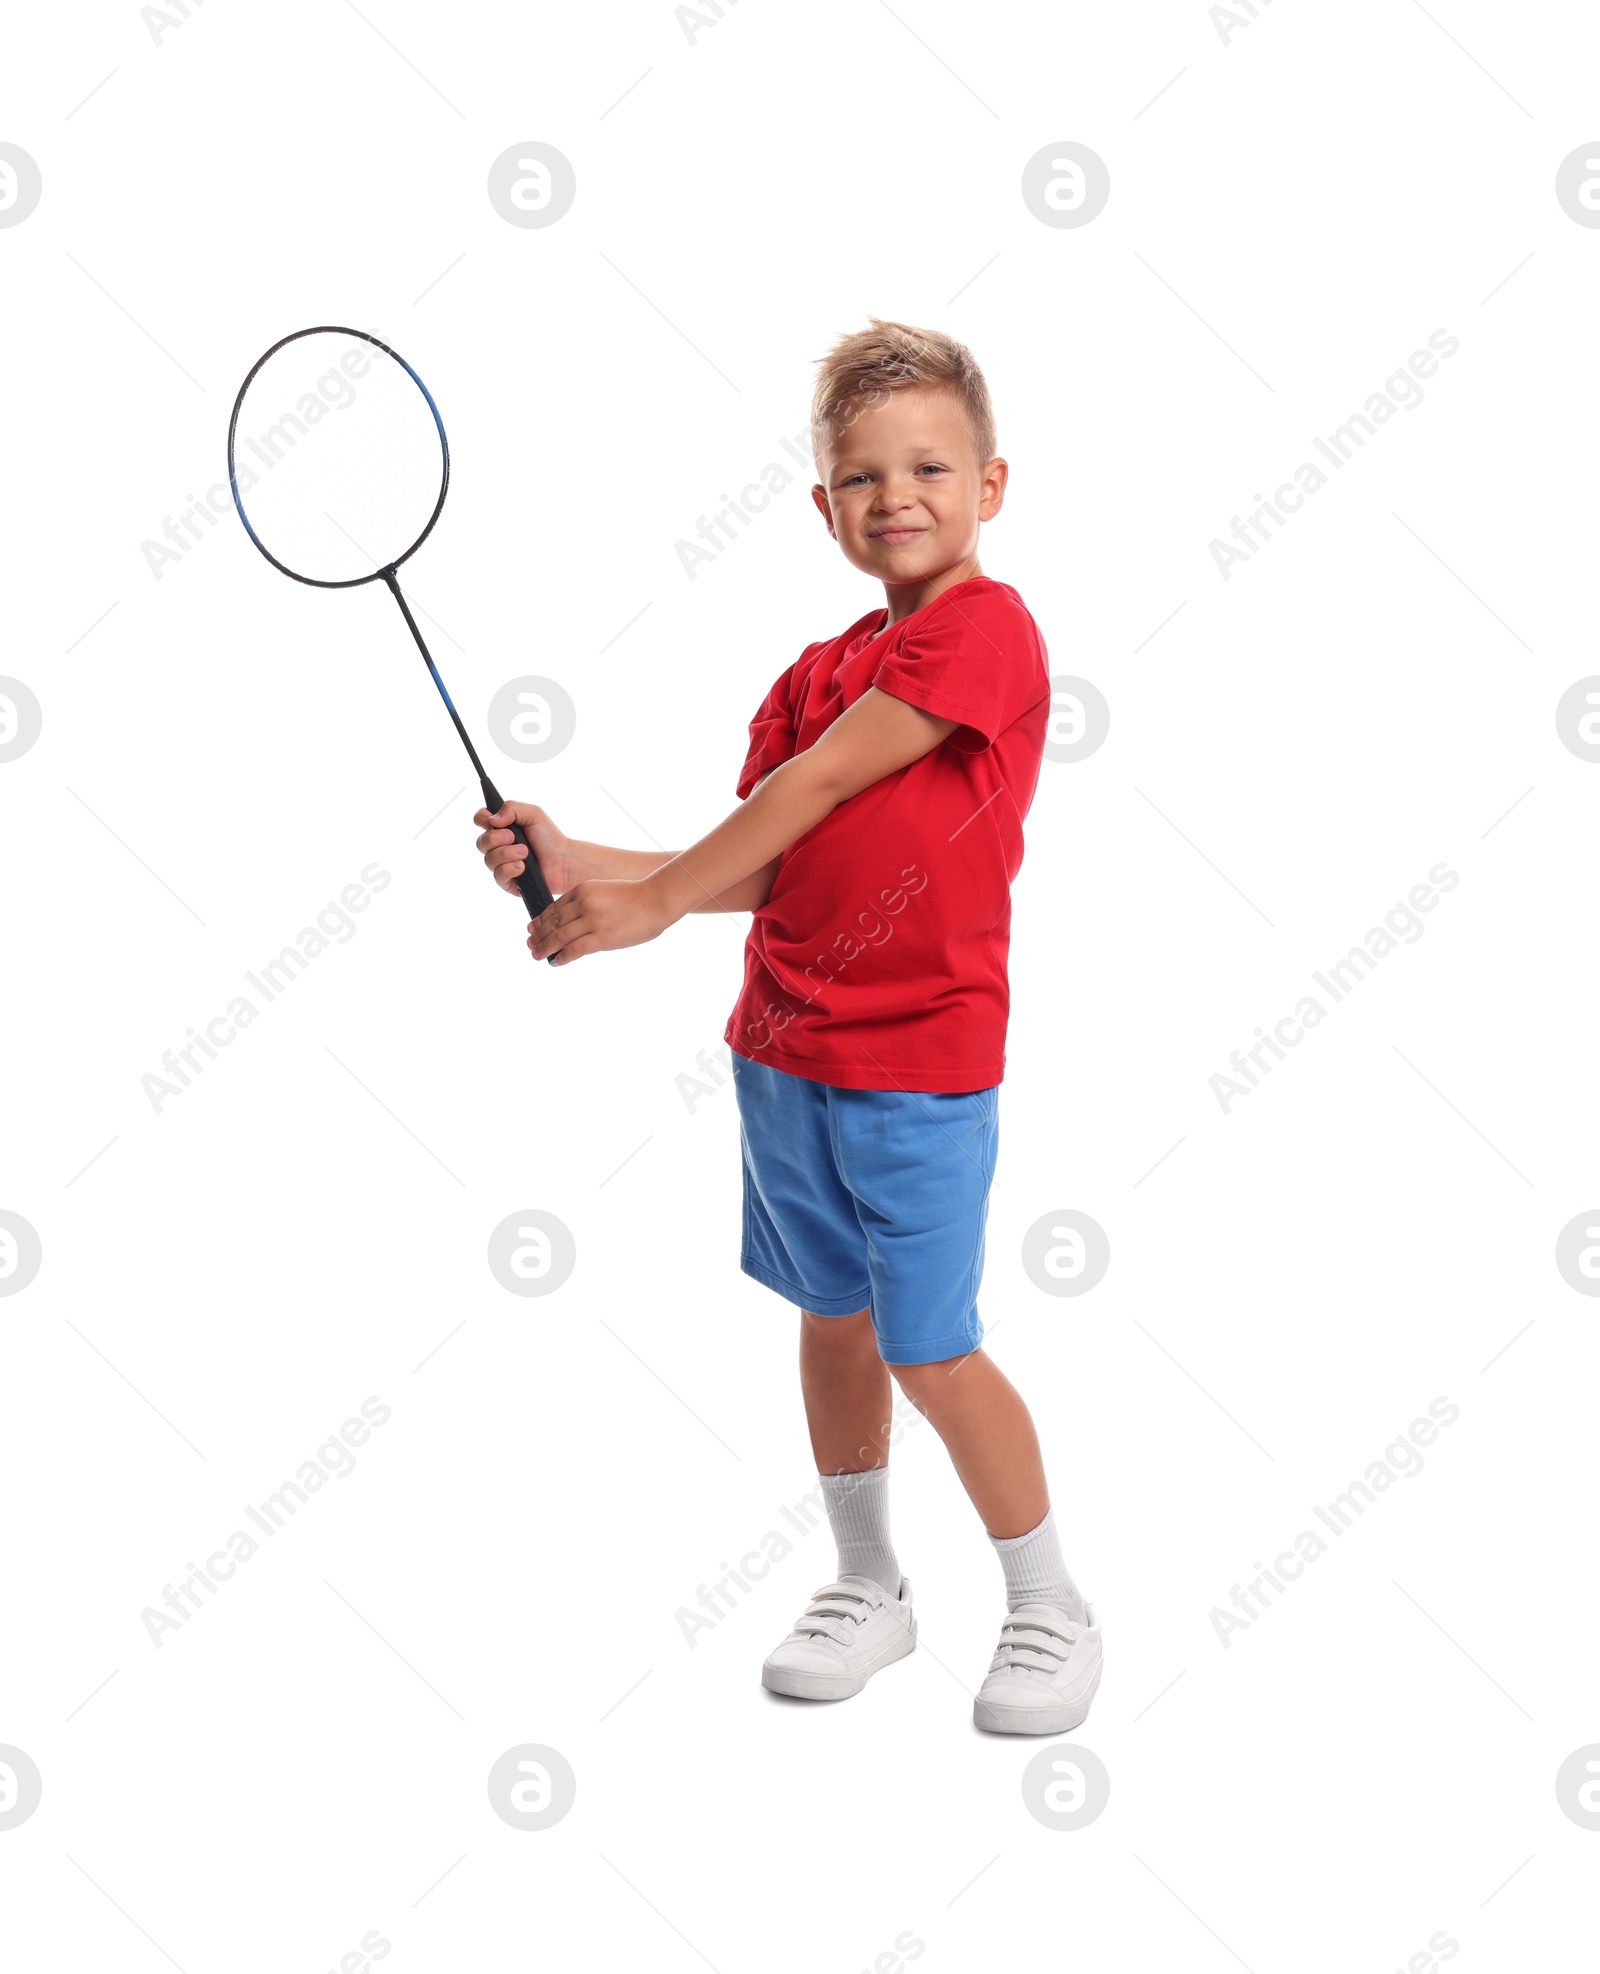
(902, 489)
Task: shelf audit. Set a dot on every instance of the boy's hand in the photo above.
(597, 916)
(506, 857)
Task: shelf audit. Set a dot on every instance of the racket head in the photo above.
(337, 457)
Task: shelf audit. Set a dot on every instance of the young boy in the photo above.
(879, 830)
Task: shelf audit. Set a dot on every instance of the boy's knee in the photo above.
(838, 1332)
(922, 1383)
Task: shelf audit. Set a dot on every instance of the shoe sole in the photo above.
(830, 1686)
(1058, 1718)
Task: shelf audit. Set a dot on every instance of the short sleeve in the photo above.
(976, 658)
(772, 734)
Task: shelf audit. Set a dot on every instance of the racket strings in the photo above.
(339, 458)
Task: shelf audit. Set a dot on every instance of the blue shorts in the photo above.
(869, 1199)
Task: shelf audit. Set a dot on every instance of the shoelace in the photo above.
(1015, 1654)
(829, 1614)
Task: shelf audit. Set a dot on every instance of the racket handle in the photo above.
(535, 892)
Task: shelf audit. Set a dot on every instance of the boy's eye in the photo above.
(860, 479)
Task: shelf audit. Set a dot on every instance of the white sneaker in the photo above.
(1043, 1674)
(849, 1631)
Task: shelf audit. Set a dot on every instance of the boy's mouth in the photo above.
(895, 536)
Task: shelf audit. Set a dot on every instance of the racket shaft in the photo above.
(536, 894)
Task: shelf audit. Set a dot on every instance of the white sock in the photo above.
(858, 1514)
(1035, 1573)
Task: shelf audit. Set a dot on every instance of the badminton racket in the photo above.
(339, 465)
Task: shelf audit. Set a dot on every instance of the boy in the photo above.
(881, 824)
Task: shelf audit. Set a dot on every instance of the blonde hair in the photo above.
(868, 366)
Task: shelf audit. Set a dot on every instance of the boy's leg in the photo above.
(848, 1396)
(918, 1167)
(849, 1403)
(989, 1434)
(803, 1239)
(863, 1622)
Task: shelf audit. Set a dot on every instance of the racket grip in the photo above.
(535, 892)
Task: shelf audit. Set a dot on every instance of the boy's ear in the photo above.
(992, 486)
(819, 495)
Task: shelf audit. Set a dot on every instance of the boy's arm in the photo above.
(602, 860)
(750, 893)
(878, 736)
(567, 860)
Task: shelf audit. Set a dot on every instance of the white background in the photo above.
(1291, 1284)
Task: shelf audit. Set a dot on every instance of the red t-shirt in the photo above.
(879, 961)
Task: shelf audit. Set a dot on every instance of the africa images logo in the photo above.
(1401, 925)
(1402, 391)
